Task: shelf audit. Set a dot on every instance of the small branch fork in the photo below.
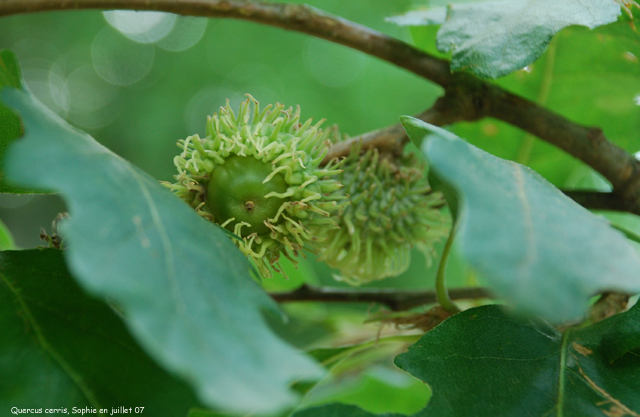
(396, 300)
(466, 98)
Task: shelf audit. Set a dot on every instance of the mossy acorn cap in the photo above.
(258, 175)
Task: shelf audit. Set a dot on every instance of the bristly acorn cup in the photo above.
(258, 174)
(392, 209)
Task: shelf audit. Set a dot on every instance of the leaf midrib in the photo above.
(561, 374)
(531, 254)
(66, 367)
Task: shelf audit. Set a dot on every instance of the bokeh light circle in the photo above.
(333, 65)
(143, 27)
(186, 32)
(206, 102)
(120, 61)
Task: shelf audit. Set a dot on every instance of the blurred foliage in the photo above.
(6, 239)
(138, 94)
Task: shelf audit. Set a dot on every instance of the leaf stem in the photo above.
(441, 287)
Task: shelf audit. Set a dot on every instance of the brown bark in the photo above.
(396, 300)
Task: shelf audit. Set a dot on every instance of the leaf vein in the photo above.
(44, 343)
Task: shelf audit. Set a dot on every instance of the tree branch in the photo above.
(396, 300)
(393, 138)
(595, 200)
(466, 97)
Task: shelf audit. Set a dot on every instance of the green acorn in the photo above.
(257, 174)
(392, 209)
